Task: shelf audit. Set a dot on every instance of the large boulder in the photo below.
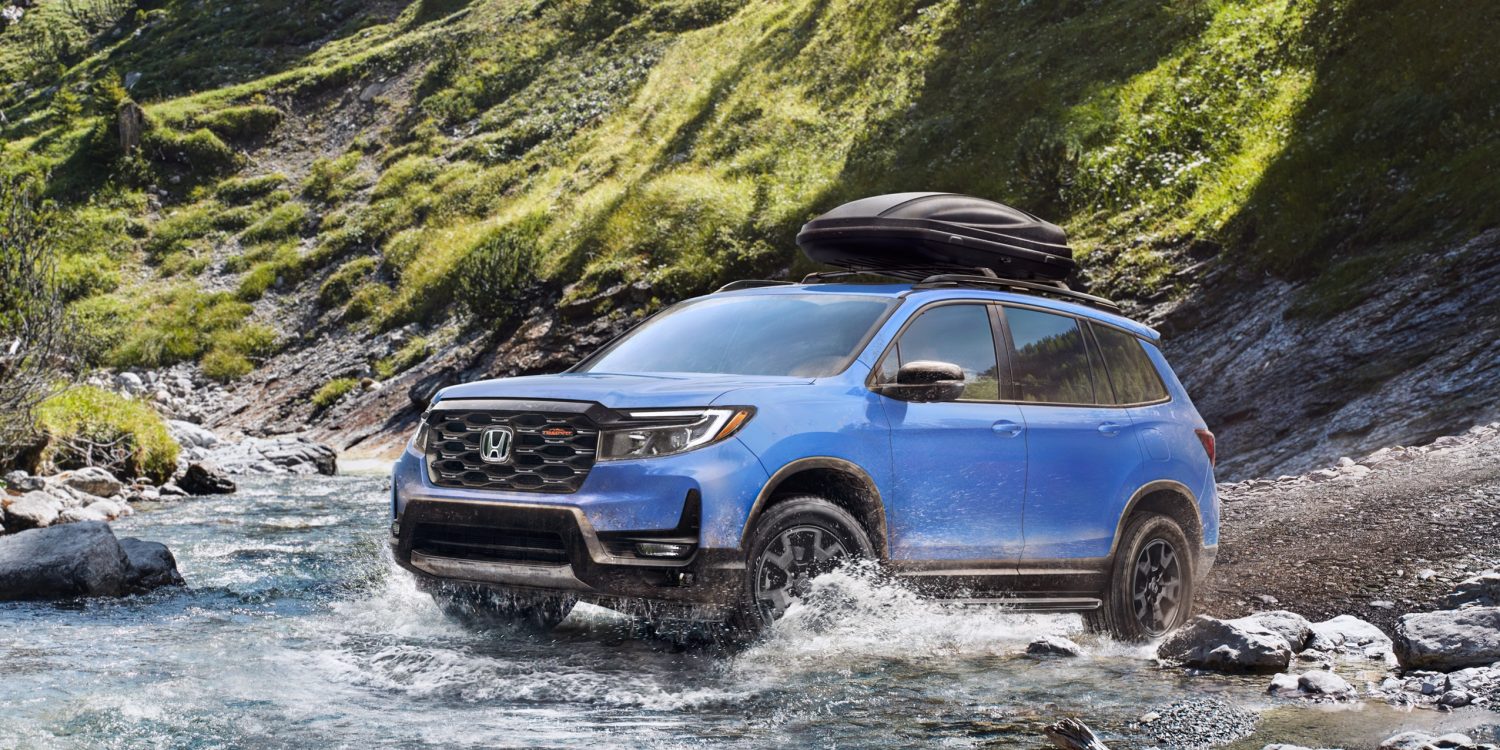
(204, 478)
(92, 480)
(1289, 625)
(32, 510)
(1449, 639)
(285, 455)
(1227, 645)
(1424, 741)
(1482, 590)
(151, 564)
(77, 559)
(189, 435)
(80, 559)
(1349, 635)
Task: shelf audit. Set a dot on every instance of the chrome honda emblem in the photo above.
(494, 445)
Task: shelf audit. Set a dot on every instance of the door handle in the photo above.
(1109, 429)
(1006, 428)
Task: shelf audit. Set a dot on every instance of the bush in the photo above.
(225, 366)
(366, 301)
(497, 276)
(330, 180)
(91, 426)
(242, 123)
(340, 285)
(332, 391)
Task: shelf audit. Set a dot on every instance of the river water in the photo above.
(297, 631)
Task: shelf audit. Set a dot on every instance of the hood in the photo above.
(618, 391)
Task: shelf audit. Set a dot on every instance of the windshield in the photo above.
(802, 335)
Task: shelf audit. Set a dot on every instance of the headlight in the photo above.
(664, 433)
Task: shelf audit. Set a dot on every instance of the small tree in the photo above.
(33, 331)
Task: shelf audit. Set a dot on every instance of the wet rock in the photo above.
(151, 565)
(79, 559)
(1328, 684)
(1285, 685)
(204, 478)
(1348, 635)
(100, 510)
(171, 490)
(1482, 590)
(1289, 625)
(1449, 639)
(1456, 699)
(283, 455)
(33, 510)
(1054, 646)
(1424, 741)
(1279, 746)
(93, 480)
(1226, 645)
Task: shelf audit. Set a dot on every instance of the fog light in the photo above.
(662, 549)
(396, 527)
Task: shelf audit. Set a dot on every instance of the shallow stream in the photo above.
(296, 630)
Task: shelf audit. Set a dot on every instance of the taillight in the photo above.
(1207, 438)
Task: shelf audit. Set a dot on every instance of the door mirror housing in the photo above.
(926, 381)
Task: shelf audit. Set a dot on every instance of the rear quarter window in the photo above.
(1131, 371)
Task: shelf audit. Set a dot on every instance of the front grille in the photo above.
(493, 544)
(538, 461)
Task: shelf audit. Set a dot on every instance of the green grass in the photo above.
(408, 356)
(85, 414)
(683, 142)
(330, 393)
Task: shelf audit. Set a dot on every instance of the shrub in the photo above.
(332, 391)
(340, 285)
(415, 350)
(242, 123)
(330, 180)
(498, 274)
(225, 366)
(366, 301)
(91, 426)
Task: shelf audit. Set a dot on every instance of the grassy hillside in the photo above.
(399, 163)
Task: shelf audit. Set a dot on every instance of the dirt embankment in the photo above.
(1376, 538)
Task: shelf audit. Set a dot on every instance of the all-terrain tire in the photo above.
(1150, 587)
(478, 607)
(810, 531)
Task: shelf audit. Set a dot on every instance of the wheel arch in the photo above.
(842, 482)
(1166, 497)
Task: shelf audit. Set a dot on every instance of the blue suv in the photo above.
(985, 440)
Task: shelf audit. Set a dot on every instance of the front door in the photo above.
(959, 467)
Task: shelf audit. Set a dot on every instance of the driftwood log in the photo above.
(1072, 734)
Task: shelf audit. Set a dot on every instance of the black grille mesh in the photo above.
(539, 462)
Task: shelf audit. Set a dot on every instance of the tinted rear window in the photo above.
(1050, 359)
(1131, 371)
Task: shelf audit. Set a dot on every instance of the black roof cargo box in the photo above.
(912, 235)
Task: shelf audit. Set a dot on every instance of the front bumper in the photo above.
(617, 499)
(702, 586)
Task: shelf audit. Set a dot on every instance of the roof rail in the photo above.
(1052, 289)
(750, 284)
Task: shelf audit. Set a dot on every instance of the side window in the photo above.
(1131, 371)
(957, 334)
(1050, 359)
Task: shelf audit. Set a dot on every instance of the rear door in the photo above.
(1082, 451)
(959, 467)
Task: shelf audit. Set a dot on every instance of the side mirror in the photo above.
(925, 381)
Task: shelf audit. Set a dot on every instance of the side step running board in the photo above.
(1034, 603)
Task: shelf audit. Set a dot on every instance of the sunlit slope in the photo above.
(496, 147)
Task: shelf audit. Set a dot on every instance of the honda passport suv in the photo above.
(986, 440)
